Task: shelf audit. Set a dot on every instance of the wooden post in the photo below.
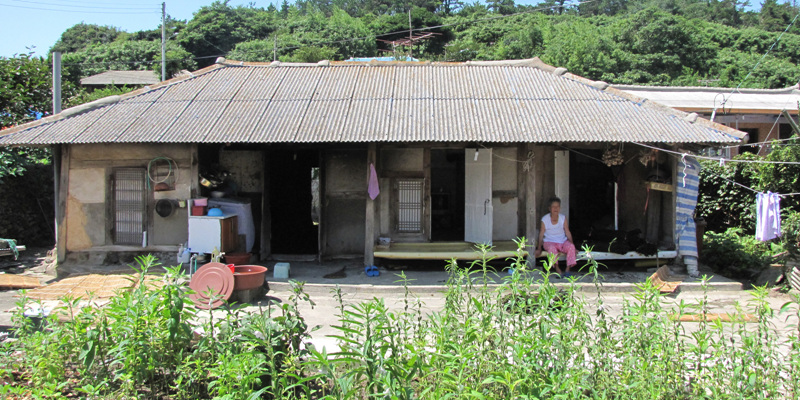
(426, 195)
(530, 201)
(369, 221)
(61, 211)
(522, 175)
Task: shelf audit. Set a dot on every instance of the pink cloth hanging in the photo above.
(373, 189)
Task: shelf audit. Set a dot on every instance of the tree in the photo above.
(125, 55)
(83, 35)
(25, 89)
(25, 95)
(216, 29)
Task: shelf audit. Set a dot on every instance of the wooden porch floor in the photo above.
(444, 251)
(500, 250)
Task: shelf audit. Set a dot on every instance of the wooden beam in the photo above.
(61, 212)
(530, 198)
(266, 217)
(369, 221)
(522, 175)
(427, 211)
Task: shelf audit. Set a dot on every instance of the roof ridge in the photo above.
(789, 89)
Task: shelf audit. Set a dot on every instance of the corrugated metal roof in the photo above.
(706, 99)
(514, 101)
(121, 78)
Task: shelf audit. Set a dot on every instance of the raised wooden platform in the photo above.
(444, 251)
(500, 250)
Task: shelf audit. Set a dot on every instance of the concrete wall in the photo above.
(394, 161)
(344, 202)
(88, 215)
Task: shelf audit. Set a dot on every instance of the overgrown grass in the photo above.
(525, 338)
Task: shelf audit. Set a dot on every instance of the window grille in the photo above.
(409, 205)
(129, 205)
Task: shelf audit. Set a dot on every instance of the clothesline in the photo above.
(754, 190)
(720, 159)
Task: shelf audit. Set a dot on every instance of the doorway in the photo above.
(447, 195)
(592, 190)
(293, 189)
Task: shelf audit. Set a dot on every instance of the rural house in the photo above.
(461, 153)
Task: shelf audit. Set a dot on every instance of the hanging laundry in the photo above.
(768, 216)
(373, 189)
(687, 190)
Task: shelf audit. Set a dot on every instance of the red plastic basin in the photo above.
(246, 277)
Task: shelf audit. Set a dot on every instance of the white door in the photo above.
(478, 196)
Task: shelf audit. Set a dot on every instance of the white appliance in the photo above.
(241, 208)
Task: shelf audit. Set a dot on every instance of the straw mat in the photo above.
(84, 287)
(709, 317)
(661, 280)
(12, 281)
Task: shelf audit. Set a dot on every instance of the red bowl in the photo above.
(246, 277)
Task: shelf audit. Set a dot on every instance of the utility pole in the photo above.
(163, 41)
(410, 36)
(57, 210)
(56, 82)
(275, 48)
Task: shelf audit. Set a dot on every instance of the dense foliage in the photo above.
(727, 201)
(523, 339)
(688, 42)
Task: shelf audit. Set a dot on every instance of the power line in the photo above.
(357, 38)
(765, 55)
(77, 11)
(104, 7)
(720, 159)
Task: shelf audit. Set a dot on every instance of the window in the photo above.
(409, 205)
(130, 204)
(752, 135)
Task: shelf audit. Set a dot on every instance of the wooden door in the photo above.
(478, 196)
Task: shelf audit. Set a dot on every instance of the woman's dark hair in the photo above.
(552, 200)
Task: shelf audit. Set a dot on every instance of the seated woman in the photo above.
(555, 236)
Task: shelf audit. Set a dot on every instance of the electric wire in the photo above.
(80, 11)
(720, 159)
(426, 28)
(95, 7)
(765, 55)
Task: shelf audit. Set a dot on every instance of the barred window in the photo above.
(409, 205)
(130, 204)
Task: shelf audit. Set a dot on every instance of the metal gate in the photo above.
(130, 204)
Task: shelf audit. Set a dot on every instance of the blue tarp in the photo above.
(687, 188)
(390, 58)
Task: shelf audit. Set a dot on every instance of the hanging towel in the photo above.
(687, 188)
(373, 189)
(768, 216)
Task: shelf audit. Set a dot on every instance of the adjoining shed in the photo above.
(462, 152)
(121, 78)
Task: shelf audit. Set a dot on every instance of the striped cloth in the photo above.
(687, 185)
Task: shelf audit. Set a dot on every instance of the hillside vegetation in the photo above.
(659, 42)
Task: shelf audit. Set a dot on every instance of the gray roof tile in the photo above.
(515, 101)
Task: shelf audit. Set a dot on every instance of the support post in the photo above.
(58, 211)
(61, 205)
(163, 41)
(530, 202)
(369, 221)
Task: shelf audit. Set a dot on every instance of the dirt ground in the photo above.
(427, 281)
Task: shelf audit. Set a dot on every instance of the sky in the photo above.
(36, 25)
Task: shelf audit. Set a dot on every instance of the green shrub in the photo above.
(737, 255)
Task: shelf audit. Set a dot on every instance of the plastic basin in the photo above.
(246, 277)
